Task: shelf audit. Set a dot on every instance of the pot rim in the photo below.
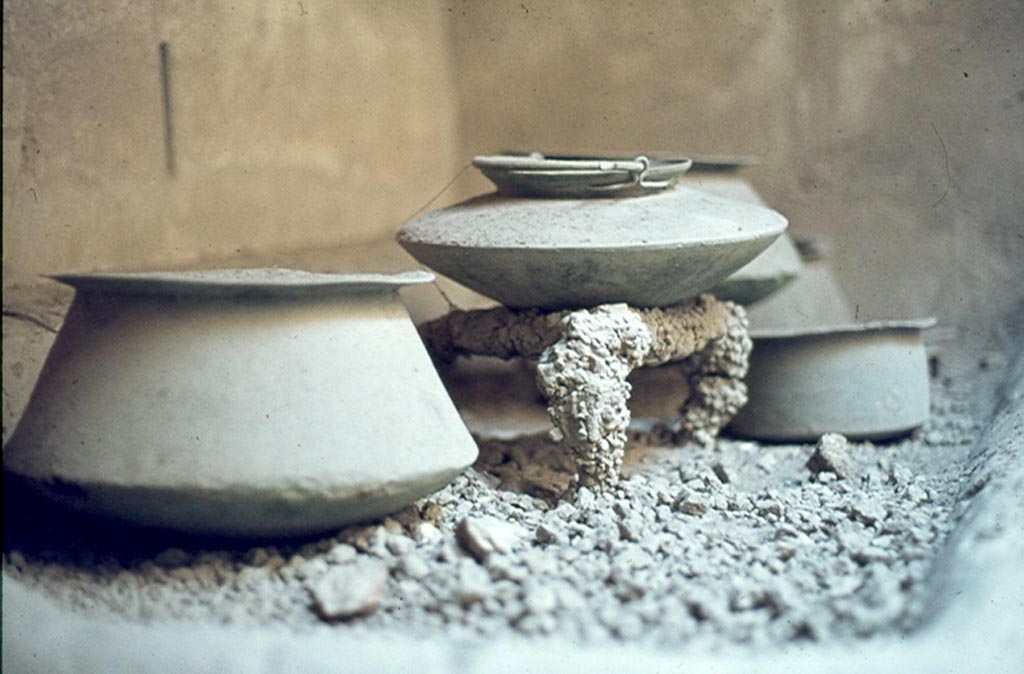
(266, 281)
(711, 163)
(598, 249)
(902, 325)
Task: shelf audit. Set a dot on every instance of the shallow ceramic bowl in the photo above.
(252, 402)
(537, 175)
(648, 251)
(866, 381)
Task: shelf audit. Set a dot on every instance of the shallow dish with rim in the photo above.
(538, 175)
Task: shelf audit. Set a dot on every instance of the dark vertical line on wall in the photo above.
(165, 90)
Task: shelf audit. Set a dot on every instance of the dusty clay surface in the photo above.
(740, 544)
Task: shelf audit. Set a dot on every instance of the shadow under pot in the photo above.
(239, 402)
(866, 381)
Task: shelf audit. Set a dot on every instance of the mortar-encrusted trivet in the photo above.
(585, 355)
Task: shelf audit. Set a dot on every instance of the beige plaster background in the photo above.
(895, 129)
(295, 124)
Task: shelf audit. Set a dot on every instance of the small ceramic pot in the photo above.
(247, 402)
(866, 381)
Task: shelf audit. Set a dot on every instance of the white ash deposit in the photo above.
(742, 543)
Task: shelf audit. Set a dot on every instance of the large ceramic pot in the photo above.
(647, 251)
(866, 380)
(247, 402)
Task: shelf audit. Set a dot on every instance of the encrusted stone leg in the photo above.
(715, 375)
(583, 375)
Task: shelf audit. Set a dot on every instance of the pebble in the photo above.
(721, 473)
(414, 567)
(474, 583)
(426, 533)
(341, 553)
(547, 533)
(868, 511)
(399, 544)
(539, 600)
(312, 568)
(900, 474)
(350, 590)
(831, 454)
(480, 536)
(916, 494)
(692, 505)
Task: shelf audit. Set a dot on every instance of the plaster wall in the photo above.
(893, 129)
(294, 124)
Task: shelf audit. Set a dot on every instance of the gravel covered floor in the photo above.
(743, 543)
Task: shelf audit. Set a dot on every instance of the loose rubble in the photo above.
(742, 543)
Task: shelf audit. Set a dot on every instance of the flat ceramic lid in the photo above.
(232, 282)
(908, 325)
(563, 177)
(680, 217)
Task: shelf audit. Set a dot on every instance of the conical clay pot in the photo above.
(647, 251)
(255, 402)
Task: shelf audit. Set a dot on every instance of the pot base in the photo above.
(234, 511)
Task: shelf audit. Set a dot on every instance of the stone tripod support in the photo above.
(585, 356)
